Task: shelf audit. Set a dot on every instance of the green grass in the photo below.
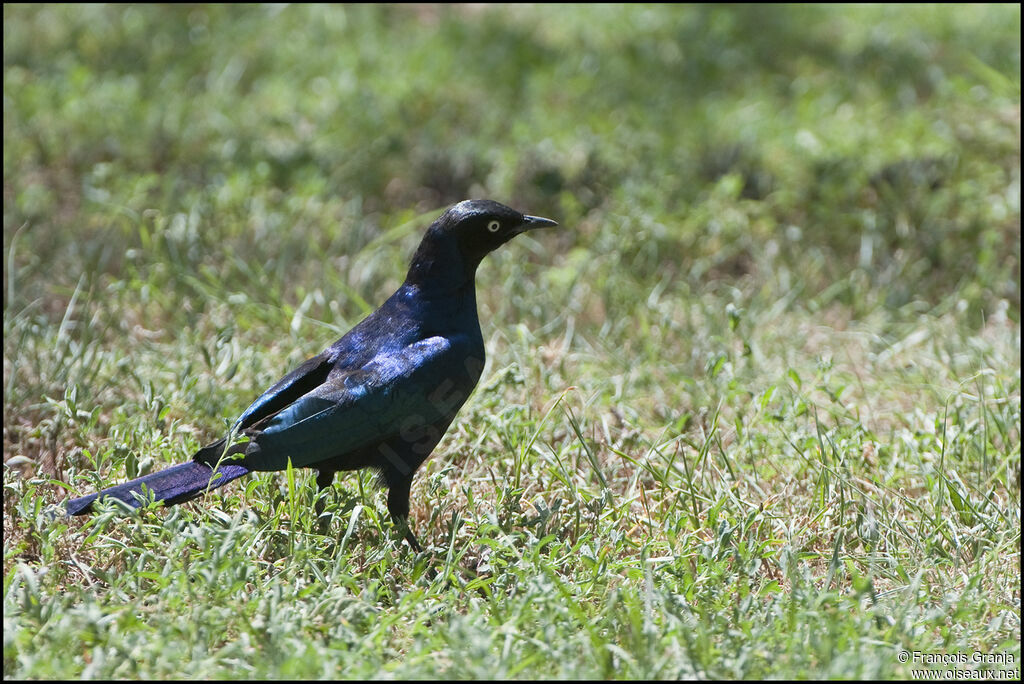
(753, 411)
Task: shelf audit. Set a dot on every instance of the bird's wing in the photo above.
(311, 374)
(396, 393)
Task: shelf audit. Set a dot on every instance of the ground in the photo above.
(753, 411)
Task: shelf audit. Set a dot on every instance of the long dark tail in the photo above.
(173, 485)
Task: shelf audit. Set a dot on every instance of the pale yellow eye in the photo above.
(493, 226)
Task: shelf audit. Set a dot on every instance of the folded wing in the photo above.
(353, 409)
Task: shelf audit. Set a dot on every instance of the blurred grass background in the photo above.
(754, 411)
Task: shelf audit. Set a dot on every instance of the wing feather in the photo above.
(309, 375)
(357, 408)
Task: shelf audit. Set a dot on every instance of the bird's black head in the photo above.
(465, 234)
(481, 226)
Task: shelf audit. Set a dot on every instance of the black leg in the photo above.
(324, 479)
(409, 536)
(398, 507)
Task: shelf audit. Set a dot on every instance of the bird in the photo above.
(380, 397)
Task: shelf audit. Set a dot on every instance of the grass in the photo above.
(753, 412)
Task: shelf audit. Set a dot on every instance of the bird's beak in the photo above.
(531, 222)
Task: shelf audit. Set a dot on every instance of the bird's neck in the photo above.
(439, 269)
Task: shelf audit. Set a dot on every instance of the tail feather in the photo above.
(174, 485)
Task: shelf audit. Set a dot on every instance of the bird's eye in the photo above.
(493, 226)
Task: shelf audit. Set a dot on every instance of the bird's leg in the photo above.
(409, 536)
(398, 507)
(324, 479)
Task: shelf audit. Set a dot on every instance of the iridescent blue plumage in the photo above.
(383, 395)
